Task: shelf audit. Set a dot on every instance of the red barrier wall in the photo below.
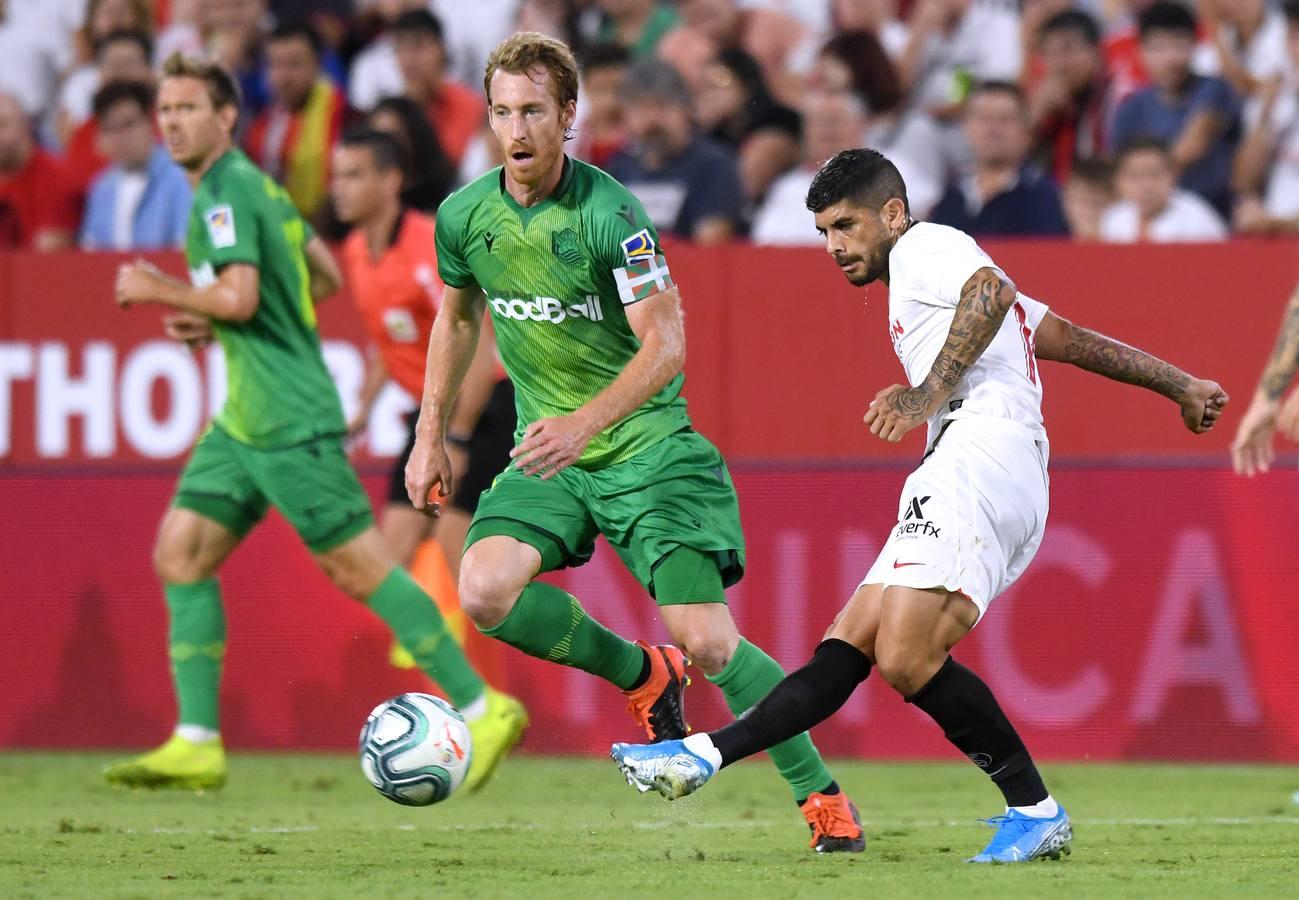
(1154, 623)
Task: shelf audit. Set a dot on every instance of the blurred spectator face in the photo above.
(618, 9)
(126, 135)
(421, 58)
(15, 136)
(863, 15)
(108, 16)
(831, 122)
(1241, 12)
(358, 187)
(1085, 201)
(660, 127)
(191, 126)
(1145, 178)
(601, 87)
(1167, 57)
(235, 15)
(720, 96)
(291, 71)
(123, 60)
(996, 125)
(528, 122)
(714, 19)
(1069, 57)
(389, 10)
(831, 74)
(390, 123)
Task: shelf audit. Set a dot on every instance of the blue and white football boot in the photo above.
(1022, 838)
(668, 767)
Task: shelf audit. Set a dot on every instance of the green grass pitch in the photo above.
(309, 826)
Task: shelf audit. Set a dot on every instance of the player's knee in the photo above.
(353, 580)
(176, 561)
(486, 593)
(708, 648)
(905, 670)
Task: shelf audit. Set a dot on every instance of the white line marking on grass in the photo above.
(1172, 822)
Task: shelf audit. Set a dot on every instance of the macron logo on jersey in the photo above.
(547, 309)
(221, 225)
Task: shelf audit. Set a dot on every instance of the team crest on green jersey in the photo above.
(564, 245)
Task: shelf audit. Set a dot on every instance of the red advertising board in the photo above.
(1155, 622)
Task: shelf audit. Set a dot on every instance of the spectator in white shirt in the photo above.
(1246, 43)
(1266, 171)
(375, 73)
(1151, 207)
(31, 58)
(954, 45)
(831, 122)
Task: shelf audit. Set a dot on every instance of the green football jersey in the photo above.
(558, 277)
(278, 391)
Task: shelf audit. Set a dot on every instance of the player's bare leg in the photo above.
(363, 569)
(498, 593)
(189, 549)
(403, 529)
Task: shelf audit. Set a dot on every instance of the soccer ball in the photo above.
(415, 749)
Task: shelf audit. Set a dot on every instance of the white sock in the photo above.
(702, 745)
(197, 734)
(475, 710)
(1047, 809)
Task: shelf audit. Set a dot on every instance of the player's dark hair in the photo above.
(221, 85)
(1143, 143)
(135, 36)
(420, 23)
(610, 56)
(299, 31)
(1290, 9)
(385, 151)
(1165, 16)
(430, 173)
(874, 77)
(1072, 20)
(115, 92)
(863, 177)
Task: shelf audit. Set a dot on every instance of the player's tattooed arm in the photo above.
(1060, 340)
(985, 300)
(1281, 365)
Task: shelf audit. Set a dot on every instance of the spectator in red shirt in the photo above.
(455, 111)
(1072, 104)
(292, 137)
(39, 205)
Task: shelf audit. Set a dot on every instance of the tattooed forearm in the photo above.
(1105, 356)
(1281, 365)
(985, 300)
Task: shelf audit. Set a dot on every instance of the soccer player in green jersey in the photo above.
(257, 270)
(589, 326)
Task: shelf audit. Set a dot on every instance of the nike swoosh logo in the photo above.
(902, 565)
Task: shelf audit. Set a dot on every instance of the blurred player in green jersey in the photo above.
(589, 326)
(256, 271)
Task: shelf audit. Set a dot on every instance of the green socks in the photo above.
(747, 678)
(196, 644)
(550, 624)
(415, 620)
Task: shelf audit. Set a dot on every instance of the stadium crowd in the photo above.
(1112, 120)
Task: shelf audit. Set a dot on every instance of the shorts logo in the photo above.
(982, 760)
(564, 245)
(547, 309)
(920, 525)
(639, 247)
(221, 226)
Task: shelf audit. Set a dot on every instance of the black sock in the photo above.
(971, 718)
(644, 672)
(805, 698)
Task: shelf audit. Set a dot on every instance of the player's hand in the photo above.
(551, 445)
(1251, 451)
(1287, 420)
(427, 470)
(1202, 404)
(898, 409)
(192, 330)
(136, 283)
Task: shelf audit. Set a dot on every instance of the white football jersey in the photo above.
(928, 266)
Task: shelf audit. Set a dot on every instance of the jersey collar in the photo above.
(526, 213)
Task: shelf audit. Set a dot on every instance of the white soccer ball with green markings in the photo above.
(415, 749)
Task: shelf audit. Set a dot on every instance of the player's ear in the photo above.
(568, 115)
(893, 214)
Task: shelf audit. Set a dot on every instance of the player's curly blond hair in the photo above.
(526, 49)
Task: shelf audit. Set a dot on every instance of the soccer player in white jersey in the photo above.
(970, 517)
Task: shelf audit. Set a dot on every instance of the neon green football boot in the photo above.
(494, 733)
(179, 763)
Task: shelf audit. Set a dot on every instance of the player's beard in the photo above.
(873, 267)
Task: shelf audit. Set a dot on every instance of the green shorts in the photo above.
(677, 493)
(313, 485)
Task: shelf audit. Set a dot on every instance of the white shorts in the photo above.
(972, 516)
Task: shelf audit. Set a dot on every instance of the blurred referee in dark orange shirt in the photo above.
(391, 266)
